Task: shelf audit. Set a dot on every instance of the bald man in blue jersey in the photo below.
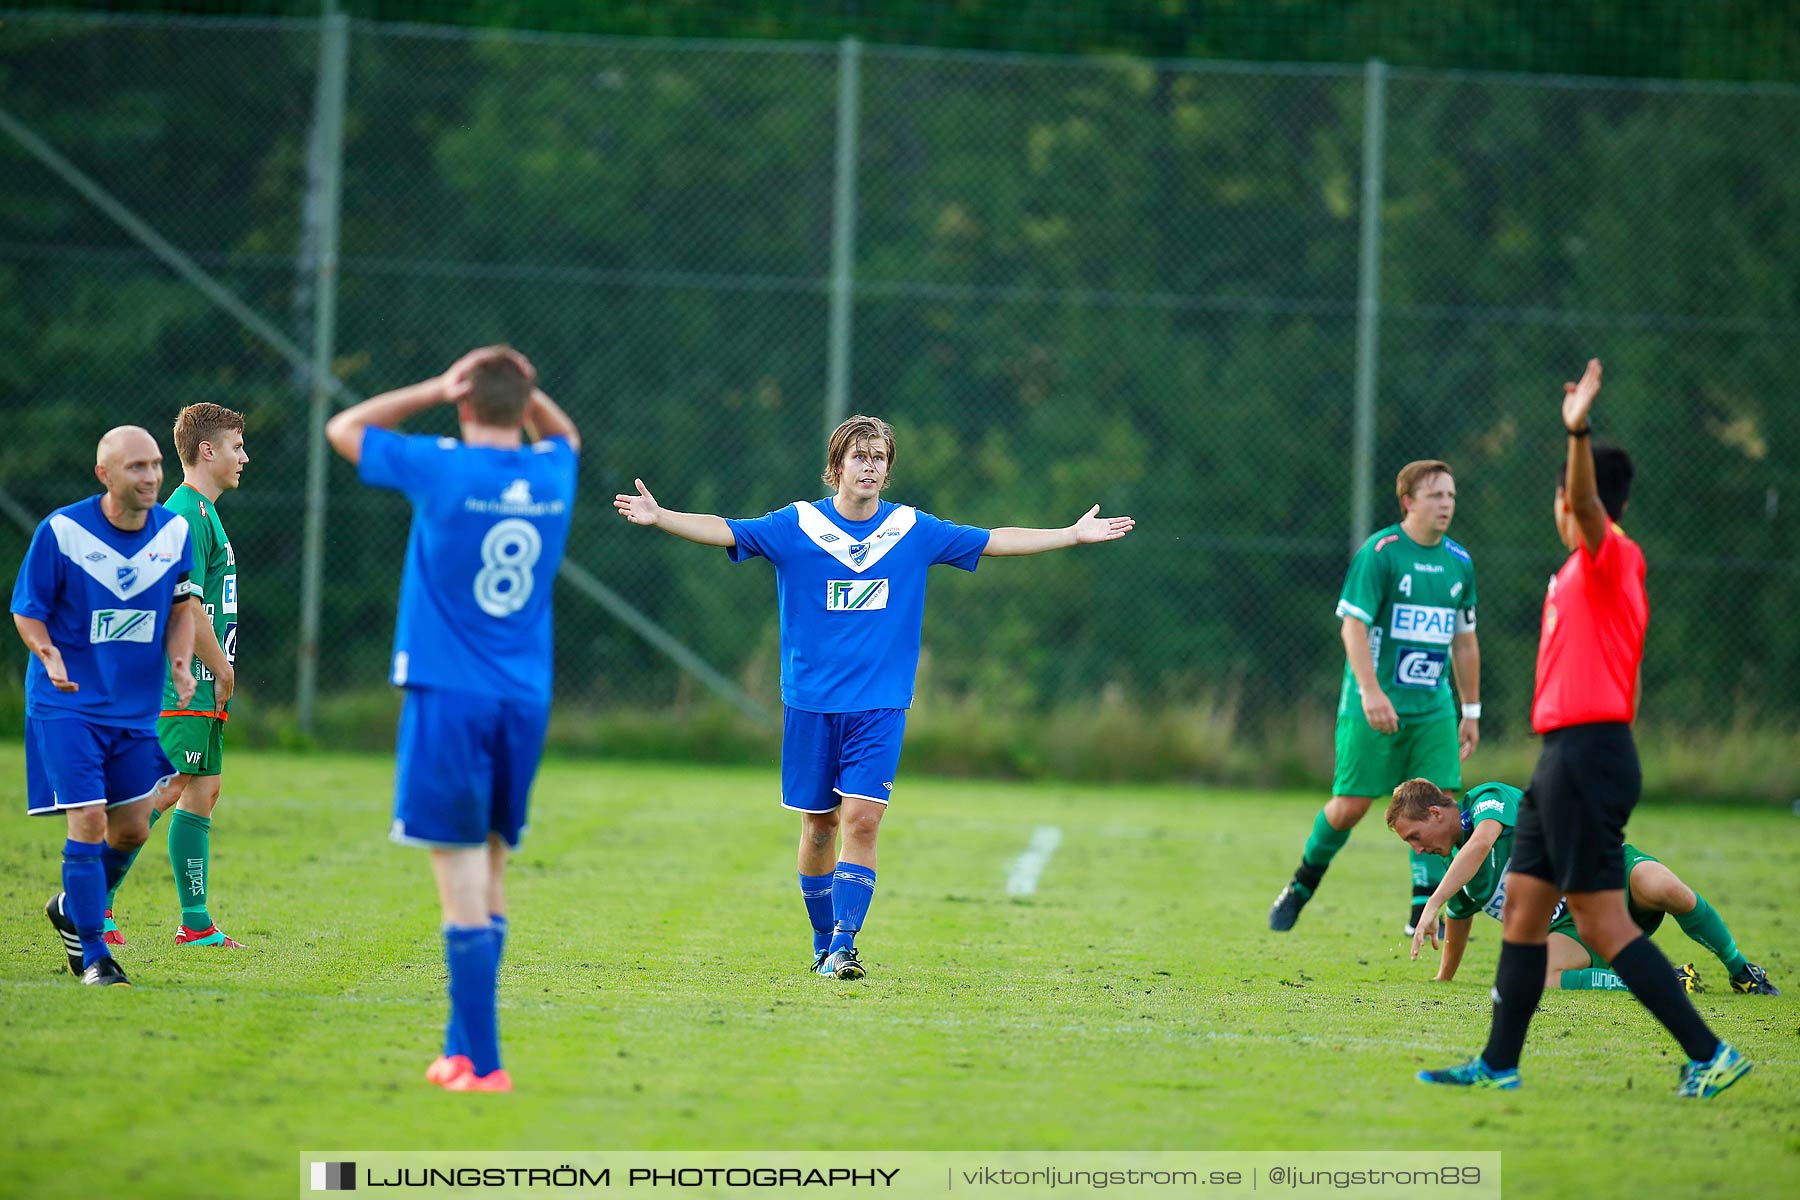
(850, 574)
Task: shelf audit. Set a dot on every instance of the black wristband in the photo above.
(1582, 432)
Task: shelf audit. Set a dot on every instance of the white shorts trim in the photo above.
(859, 796)
(397, 835)
(817, 812)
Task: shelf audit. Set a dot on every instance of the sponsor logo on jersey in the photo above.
(1429, 568)
(228, 595)
(1423, 623)
(229, 642)
(856, 595)
(1386, 541)
(829, 538)
(1457, 550)
(1419, 668)
(122, 625)
(230, 555)
(96, 556)
(515, 501)
(1492, 803)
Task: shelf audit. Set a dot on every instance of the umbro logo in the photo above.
(828, 537)
(97, 556)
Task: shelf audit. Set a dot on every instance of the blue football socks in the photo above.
(815, 890)
(84, 886)
(473, 955)
(454, 1041)
(852, 888)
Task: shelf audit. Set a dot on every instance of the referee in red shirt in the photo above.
(1571, 832)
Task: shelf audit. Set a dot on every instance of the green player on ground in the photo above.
(1480, 832)
(210, 440)
(1408, 613)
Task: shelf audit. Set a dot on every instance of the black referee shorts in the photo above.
(1571, 827)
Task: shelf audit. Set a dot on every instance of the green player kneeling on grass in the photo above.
(1479, 833)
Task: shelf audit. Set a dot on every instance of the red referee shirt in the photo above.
(1593, 637)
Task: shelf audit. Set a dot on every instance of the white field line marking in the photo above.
(1022, 879)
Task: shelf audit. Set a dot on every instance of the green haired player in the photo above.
(210, 441)
(1479, 832)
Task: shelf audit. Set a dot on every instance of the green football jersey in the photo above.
(215, 575)
(1413, 598)
(1486, 892)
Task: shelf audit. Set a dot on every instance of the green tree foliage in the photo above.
(1110, 280)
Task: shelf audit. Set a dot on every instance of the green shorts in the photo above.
(196, 745)
(1647, 919)
(1373, 764)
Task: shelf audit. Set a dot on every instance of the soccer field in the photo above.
(655, 993)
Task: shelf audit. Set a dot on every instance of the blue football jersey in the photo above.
(488, 531)
(852, 597)
(104, 595)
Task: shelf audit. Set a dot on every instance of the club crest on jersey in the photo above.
(858, 552)
(127, 577)
(856, 595)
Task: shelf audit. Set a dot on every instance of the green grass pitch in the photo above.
(655, 993)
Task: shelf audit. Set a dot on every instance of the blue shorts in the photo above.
(72, 764)
(827, 756)
(464, 767)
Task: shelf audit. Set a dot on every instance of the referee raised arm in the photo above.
(1571, 829)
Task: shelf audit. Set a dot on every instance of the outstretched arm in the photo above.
(1092, 527)
(705, 528)
(1580, 493)
(1462, 869)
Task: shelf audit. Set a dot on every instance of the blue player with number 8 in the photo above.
(472, 649)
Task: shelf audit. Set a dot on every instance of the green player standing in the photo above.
(1408, 612)
(210, 440)
(1479, 832)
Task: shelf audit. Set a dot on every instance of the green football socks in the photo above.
(1592, 979)
(1322, 845)
(189, 836)
(1706, 926)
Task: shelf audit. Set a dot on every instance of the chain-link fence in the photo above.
(1066, 282)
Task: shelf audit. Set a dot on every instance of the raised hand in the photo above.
(1578, 398)
(457, 380)
(1092, 527)
(640, 509)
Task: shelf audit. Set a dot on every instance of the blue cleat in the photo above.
(1474, 1073)
(819, 956)
(1703, 1080)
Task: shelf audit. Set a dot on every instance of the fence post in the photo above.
(1368, 303)
(324, 201)
(843, 234)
